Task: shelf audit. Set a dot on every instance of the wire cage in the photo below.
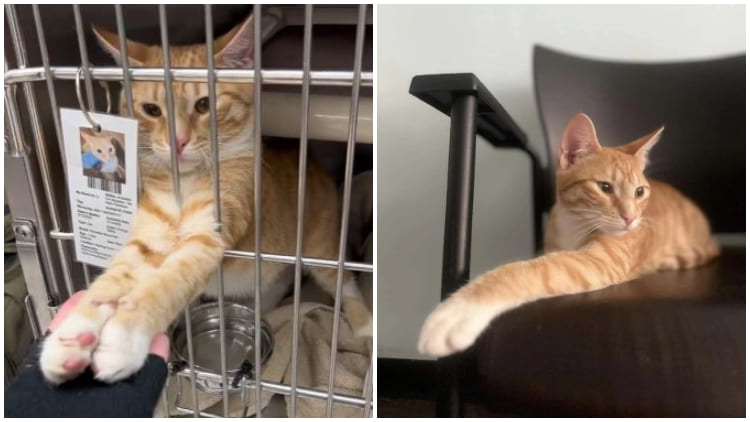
(286, 91)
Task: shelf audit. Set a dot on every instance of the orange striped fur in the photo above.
(610, 224)
(174, 250)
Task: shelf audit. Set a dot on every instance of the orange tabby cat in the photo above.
(173, 251)
(609, 224)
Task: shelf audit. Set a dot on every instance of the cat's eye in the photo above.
(201, 106)
(99, 150)
(639, 191)
(152, 110)
(605, 187)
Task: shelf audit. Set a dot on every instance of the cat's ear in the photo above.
(236, 47)
(86, 138)
(578, 141)
(641, 147)
(110, 42)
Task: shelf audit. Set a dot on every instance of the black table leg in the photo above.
(457, 238)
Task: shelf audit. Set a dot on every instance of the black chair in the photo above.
(668, 344)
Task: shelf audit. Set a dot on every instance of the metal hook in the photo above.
(96, 126)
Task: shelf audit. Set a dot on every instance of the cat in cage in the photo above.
(173, 251)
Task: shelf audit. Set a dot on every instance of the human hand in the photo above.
(31, 396)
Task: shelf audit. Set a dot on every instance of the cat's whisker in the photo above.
(588, 211)
(603, 219)
(584, 230)
(581, 236)
(582, 224)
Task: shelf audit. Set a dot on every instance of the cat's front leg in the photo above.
(154, 303)
(457, 322)
(68, 350)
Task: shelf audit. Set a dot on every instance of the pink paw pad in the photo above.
(75, 365)
(86, 339)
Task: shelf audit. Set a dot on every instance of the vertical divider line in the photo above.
(176, 182)
(353, 115)
(126, 86)
(41, 147)
(215, 168)
(258, 196)
(301, 197)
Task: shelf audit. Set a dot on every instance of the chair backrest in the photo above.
(701, 103)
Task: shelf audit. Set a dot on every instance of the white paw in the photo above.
(454, 326)
(67, 351)
(121, 352)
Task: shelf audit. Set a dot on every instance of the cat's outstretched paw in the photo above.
(67, 351)
(454, 326)
(122, 352)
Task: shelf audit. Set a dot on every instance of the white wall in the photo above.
(494, 42)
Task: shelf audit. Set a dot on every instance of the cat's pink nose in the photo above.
(181, 142)
(628, 219)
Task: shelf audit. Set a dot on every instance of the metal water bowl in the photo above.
(239, 322)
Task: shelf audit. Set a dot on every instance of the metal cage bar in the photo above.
(305, 78)
(271, 257)
(368, 391)
(301, 187)
(84, 56)
(278, 388)
(175, 168)
(126, 85)
(41, 147)
(50, 86)
(35, 257)
(215, 169)
(86, 66)
(63, 252)
(354, 108)
(258, 197)
(156, 74)
(124, 60)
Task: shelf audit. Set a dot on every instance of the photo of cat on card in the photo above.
(102, 157)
